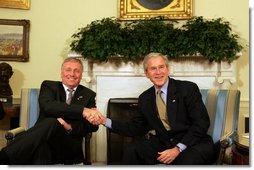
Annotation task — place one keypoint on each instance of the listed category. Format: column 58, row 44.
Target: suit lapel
column 172, row 100
column 76, row 98
column 62, row 93
column 152, row 109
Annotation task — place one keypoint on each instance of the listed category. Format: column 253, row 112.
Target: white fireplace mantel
column 109, row 80
column 223, row 73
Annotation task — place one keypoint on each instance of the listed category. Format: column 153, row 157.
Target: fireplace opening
column 120, row 109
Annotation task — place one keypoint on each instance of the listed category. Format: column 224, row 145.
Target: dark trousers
column 45, row 143
column 145, row 152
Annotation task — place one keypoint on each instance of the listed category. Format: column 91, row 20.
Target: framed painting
column 14, row 40
column 142, row 9
column 18, row 4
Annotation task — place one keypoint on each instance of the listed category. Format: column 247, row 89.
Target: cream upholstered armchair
column 223, row 109
column 29, row 112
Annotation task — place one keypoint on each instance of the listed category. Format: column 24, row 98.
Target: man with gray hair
column 58, row 133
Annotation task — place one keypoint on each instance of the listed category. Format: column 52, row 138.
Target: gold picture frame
column 14, row 40
column 18, row 4
column 142, row 9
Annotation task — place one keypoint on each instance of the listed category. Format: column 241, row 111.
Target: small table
column 13, row 112
column 240, row 149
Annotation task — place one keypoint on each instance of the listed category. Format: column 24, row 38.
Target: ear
column 146, row 74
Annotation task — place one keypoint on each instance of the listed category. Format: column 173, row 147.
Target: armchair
column 223, row 109
column 29, row 112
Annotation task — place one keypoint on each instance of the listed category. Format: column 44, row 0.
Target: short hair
column 71, row 59
column 154, row 55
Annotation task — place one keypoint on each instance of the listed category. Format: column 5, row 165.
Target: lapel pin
column 80, row 97
column 173, row 101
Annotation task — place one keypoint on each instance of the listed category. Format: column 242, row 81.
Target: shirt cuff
column 108, row 123
column 181, row 146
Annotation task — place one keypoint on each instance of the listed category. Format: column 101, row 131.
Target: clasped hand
column 94, row 116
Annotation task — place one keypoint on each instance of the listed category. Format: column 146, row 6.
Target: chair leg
column 87, row 160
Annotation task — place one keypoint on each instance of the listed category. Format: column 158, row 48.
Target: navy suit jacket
column 187, row 114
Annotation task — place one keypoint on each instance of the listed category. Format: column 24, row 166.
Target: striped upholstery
column 29, row 107
column 223, row 109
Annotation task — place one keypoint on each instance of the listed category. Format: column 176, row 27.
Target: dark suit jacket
column 52, row 104
column 187, row 116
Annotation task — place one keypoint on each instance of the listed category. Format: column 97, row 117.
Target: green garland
column 132, row 40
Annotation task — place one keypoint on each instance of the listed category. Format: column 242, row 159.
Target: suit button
column 171, row 139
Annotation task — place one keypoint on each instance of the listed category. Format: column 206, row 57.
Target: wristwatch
column 180, row 149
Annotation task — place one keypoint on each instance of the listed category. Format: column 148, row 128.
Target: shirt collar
column 164, row 88
column 65, row 88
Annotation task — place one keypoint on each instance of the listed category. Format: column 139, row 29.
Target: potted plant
column 132, row 40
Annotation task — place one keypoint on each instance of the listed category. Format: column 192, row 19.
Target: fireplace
column 127, row 80
column 120, row 109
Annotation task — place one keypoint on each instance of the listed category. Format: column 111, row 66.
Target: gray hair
column 154, row 55
column 71, row 59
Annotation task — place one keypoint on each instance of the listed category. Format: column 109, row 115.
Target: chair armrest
column 87, row 160
column 10, row 135
column 229, row 136
column 224, row 144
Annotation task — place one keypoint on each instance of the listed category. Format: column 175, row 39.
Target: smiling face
column 71, row 73
column 157, row 70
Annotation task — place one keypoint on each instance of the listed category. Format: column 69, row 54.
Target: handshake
column 94, row 116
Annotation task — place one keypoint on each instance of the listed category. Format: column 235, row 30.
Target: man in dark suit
column 180, row 134
column 62, row 123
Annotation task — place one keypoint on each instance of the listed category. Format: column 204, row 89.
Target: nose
column 72, row 72
column 158, row 70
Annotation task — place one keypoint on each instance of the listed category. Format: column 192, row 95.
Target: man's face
column 71, row 74
column 157, row 71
